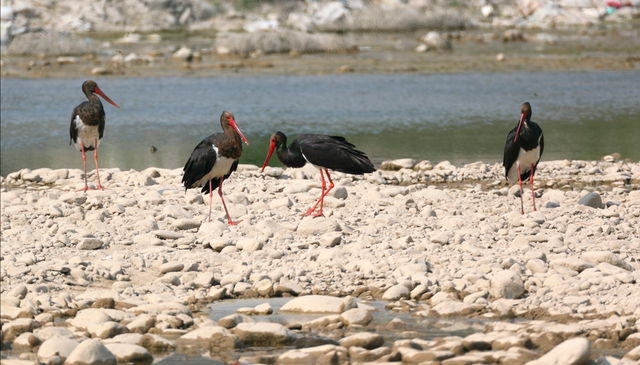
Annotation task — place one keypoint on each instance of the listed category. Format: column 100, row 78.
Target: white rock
column 57, row 346
column 574, row 351
column 396, row 292
column 208, row 333
column 311, row 225
column 91, row 352
column 264, row 333
column 453, row 308
column 506, row 284
column 318, row 304
column 357, row 316
column 126, row 352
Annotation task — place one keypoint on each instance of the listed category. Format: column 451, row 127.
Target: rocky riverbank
column 126, row 274
column 204, row 39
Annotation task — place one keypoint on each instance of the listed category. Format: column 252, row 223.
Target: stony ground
column 125, row 273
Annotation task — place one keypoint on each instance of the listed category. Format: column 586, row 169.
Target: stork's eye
column 273, row 140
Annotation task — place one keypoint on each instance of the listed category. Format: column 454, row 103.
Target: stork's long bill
column 519, row 126
column 235, row 127
column 99, row 92
column 272, row 148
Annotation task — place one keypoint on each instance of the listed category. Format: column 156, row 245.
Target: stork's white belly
column 525, row 160
column 87, row 134
column 220, row 168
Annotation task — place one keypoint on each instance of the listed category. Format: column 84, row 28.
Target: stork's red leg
column 313, row 208
column 223, row 204
column 325, row 194
column 533, row 195
column 95, row 156
column 521, row 199
column 84, row 162
column 210, row 199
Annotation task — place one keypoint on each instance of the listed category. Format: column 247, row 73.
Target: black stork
column 87, row 125
column 214, row 159
column 522, row 152
column 324, row 152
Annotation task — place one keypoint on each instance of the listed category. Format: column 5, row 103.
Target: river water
column 456, row 117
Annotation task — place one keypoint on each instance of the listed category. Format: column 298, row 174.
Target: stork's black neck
column 93, row 98
column 290, row 156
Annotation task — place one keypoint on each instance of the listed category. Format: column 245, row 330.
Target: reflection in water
column 460, row 118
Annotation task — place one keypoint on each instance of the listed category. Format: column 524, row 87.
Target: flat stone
column 142, row 324
column 597, row 257
column 574, row 351
column 571, row 263
column 453, row 309
column 105, row 330
column 131, row 338
column 396, row 292
column 318, row 304
column 395, row 165
column 311, row 225
column 171, row 267
column 73, row 198
column 264, row 334
column 168, row 235
column 208, row 333
column 263, row 309
column 358, row 316
column 90, row 243
column 186, row 223
column 233, row 320
column 331, row 239
column 18, row 326
column 125, row 352
column 290, row 287
column 46, row 333
column 155, row 343
column 365, row 340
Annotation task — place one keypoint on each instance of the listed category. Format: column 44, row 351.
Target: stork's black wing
column 334, row 153
column 201, row 161
column 511, row 150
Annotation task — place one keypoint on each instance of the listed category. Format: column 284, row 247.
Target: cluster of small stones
column 119, row 275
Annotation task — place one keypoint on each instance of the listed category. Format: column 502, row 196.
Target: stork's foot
column 319, row 214
column 308, row 212
column 84, row 189
column 232, row 223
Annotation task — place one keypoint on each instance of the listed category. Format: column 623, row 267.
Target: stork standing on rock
column 87, row 125
column 522, row 152
column 214, row 159
column 324, row 152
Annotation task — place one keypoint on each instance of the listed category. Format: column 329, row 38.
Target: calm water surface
column 456, row 117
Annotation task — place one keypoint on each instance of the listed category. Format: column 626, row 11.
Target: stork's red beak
column 99, row 92
column 272, row 148
column 519, row 126
column 235, row 127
